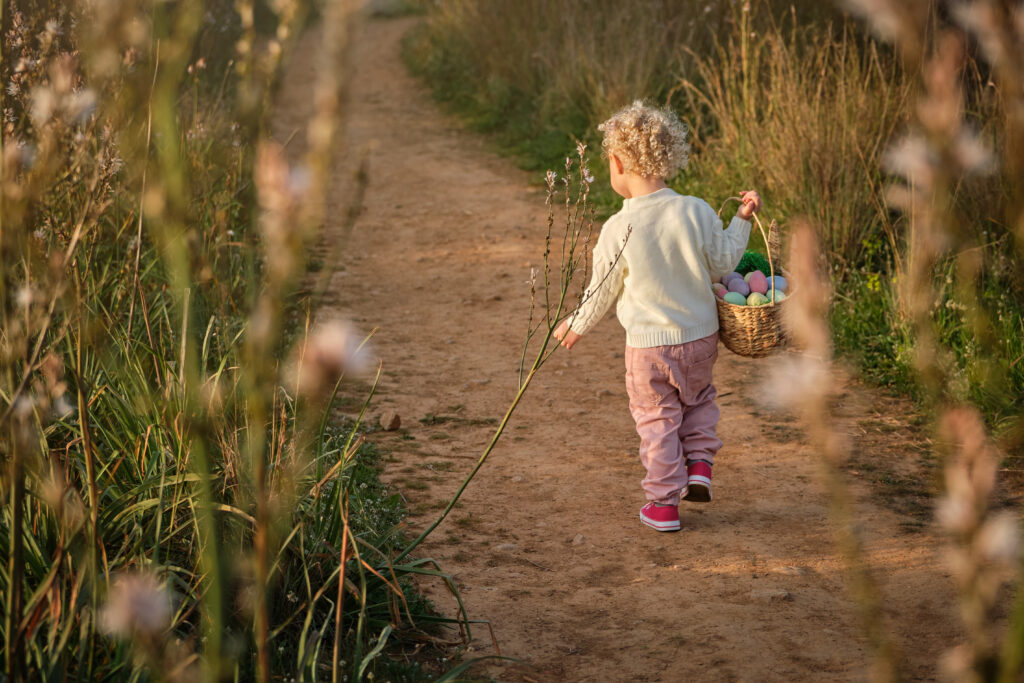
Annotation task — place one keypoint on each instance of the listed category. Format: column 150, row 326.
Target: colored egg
column 725, row 279
column 719, row 290
column 738, row 285
column 736, row 298
column 757, row 299
column 779, row 296
column 778, row 282
column 758, row 282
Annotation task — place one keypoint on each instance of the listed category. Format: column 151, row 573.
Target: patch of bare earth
column 546, row 543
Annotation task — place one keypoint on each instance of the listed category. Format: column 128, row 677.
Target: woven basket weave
column 753, row 331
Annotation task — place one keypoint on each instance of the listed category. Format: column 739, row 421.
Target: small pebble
column 390, row 421
column 772, row 595
column 579, row 539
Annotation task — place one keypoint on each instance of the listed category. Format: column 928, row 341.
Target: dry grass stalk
column 940, row 151
column 813, row 396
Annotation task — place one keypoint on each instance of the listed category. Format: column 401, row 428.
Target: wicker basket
column 753, row 331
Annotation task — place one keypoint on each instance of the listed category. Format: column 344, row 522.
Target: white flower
column 62, row 407
column 881, row 14
column 43, row 104
column 999, row 538
column 138, row 604
column 972, row 154
column 794, row 380
column 23, row 297
column 913, row 158
column 331, row 350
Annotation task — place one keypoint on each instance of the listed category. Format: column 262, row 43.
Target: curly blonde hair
column 651, row 142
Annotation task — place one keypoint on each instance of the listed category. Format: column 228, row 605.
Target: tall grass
column 797, row 100
column 177, row 503
column 802, row 111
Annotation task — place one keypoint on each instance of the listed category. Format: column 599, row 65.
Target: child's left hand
column 751, row 204
column 563, row 334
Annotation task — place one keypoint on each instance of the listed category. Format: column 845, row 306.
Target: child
column 661, row 285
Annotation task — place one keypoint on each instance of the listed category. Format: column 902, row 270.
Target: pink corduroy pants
column 672, row 402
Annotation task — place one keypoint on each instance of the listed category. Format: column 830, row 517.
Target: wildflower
column 138, row 604
column 329, row 352
column 913, row 158
column 43, row 104
column 999, row 539
column 794, row 380
column 62, row 407
column 587, row 176
column 23, row 297
column 881, row 14
column 981, row 20
column 82, row 105
column 972, row 154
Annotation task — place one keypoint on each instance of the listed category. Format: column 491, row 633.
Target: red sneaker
column 660, row 518
column 698, row 485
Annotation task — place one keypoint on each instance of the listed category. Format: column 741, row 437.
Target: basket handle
column 764, row 236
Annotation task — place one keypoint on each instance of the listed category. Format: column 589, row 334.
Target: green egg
column 779, row 295
column 736, row 298
column 757, row 299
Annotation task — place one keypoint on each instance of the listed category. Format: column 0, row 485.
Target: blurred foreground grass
column 179, row 502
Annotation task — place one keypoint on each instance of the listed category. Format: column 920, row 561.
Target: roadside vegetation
column 888, row 144
column 179, row 500
column 796, row 99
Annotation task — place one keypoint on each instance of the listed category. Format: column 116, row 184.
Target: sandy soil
column 546, row 543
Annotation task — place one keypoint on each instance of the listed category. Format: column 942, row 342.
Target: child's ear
column 619, row 168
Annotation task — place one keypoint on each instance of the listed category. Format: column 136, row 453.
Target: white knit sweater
column 662, row 279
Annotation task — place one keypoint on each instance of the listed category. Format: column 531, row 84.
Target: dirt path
column 546, row 544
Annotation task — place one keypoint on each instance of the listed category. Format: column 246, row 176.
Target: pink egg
column 758, row 282
column 720, row 290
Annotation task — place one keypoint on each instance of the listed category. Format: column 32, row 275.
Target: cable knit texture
column 661, row 282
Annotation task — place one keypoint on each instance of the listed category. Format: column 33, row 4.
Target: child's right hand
column 565, row 335
column 751, row 204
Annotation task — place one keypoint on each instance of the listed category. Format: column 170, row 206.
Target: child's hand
column 751, row 204
column 563, row 334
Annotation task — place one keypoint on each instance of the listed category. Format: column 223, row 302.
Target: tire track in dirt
column 546, row 544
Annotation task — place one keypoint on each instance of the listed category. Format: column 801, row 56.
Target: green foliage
column 792, row 100
column 146, row 450
column 751, row 261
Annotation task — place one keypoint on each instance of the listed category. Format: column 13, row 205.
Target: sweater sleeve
column 605, row 283
column 724, row 248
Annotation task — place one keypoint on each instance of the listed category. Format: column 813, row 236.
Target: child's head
column 649, row 142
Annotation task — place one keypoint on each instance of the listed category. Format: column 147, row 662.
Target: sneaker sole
column 660, row 526
column 698, row 490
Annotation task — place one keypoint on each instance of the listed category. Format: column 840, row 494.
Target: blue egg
column 778, row 282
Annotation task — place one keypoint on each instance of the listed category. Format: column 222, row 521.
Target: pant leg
column 658, row 413
column 698, row 429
